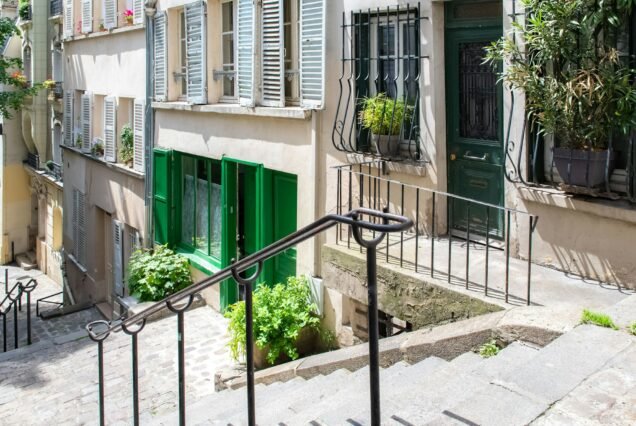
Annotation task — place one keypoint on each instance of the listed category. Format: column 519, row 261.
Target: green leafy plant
column 596, row 318
column 97, row 149
column 632, row 328
column 489, row 349
column 280, row 313
column 78, row 140
column 126, row 152
column 576, row 85
column 154, row 274
column 383, row 115
column 24, row 11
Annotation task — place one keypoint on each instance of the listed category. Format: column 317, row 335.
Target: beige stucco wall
column 110, row 193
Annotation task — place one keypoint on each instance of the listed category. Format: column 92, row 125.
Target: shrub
column 597, row 318
column 383, row 115
column 489, row 349
column 280, row 313
column 632, row 328
column 157, row 273
column 126, row 151
column 24, row 10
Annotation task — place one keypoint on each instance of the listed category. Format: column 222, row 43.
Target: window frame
column 293, row 98
column 184, row 246
column 224, row 98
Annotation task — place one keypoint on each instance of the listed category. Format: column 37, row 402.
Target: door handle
column 468, row 156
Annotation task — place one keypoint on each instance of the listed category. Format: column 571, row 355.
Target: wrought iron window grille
column 532, row 152
column 381, row 54
column 55, row 8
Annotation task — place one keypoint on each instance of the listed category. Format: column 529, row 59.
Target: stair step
column 25, row 262
column 512, row 358
column 467, row 361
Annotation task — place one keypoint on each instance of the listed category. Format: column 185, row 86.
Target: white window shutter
column 110, row 129
column 245, row 43
column 68, row 118
column 87, row 16
column 110, row 14
column 196, row 63
column 87, row 121
column 68, row 18
column 79, row 226
column 118, row 257
column 161, row 59
column 138, row 11
column 312, row 53
column 273, row 62
column 138, row 135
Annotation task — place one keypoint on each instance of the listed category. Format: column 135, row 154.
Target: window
column 227, row 36
column 79, row 227
column 291, row 31
column 201, row 206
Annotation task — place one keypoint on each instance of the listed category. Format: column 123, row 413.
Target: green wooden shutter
column 284, row 218
column 163, row 201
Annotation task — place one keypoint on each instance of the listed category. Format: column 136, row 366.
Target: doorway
column 474, row 117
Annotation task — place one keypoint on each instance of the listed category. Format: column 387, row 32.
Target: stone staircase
column 521, row 385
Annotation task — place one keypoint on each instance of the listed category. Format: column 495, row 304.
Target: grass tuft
column 597, row 318
column 489, row 349
column 632, row 328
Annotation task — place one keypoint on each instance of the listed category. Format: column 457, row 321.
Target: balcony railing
column 55, row 7
column 33, row 160
column 58, row 91
column 54, row 170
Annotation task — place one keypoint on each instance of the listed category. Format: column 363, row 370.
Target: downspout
column 149, row 118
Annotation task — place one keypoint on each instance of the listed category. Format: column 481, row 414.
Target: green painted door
column 475, row 124
column 284, row 193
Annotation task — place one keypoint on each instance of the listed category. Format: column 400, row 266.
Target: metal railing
column 58, row 90
column 54, row 169
column 13, row 301
column 379, row 223
column 475, row 223
column 33, row 160
column 55, row 7
column 45, row 300
column 393, row 68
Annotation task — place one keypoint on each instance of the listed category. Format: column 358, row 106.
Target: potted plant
column 285, row 323
column 128, row 16
column 578, row 90
column 384, row 117
column 97, row 148
column 126, row 152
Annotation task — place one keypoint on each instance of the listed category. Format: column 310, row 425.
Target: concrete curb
column 536, row 325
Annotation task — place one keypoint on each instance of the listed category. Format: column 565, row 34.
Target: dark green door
column 284, row 201
column 475, row 125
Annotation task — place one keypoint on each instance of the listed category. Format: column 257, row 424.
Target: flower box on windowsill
column 578, row 167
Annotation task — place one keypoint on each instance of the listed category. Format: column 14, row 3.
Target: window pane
column 411, row 64
column 202, row 208
column 228, row 17
column 228, row 48
column 215, row 211
column 187, row 207
column 386, row 40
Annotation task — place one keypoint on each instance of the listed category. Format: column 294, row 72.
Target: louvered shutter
column 245, row 43
column 87, row 16
column 196, row 64
column 138, row 11
column 87, row 122
column 68, row 118
column 138, row 134
column 68, row 18
column 118, row 257
column 161, row 59
column 110, row 14
column 312, row 53
column 110, row 126
column 273, row 65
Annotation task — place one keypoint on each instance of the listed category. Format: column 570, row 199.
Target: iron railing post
column 374, row 335
column 135, row 366
column 100, row 375
column 180, row 311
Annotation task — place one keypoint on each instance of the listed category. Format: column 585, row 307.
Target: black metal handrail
column 380, row 191
column 14, row 302
column 179, row 302
column 47, row 301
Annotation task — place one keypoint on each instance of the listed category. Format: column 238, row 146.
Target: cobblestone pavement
column 41, row 330
column 58, row 384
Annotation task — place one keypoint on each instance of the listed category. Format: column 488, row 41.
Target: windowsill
column 620, row 210
column 95, row 34
column 46, row 175
column 199, row 262
column 113, row 166
column 296, row 113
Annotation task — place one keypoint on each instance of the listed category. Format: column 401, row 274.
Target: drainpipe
column 149, row 118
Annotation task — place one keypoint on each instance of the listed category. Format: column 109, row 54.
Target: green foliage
column 489, row 349
column 280, row 313
column 383, row 115
column 126, row 151
column 11, row 77
column 632, row 328
column 97, row 149
column 577, row 87
column 597, row 318
column 154, row 274
column 23, row 10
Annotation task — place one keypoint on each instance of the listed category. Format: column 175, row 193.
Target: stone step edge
column 535, row 325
